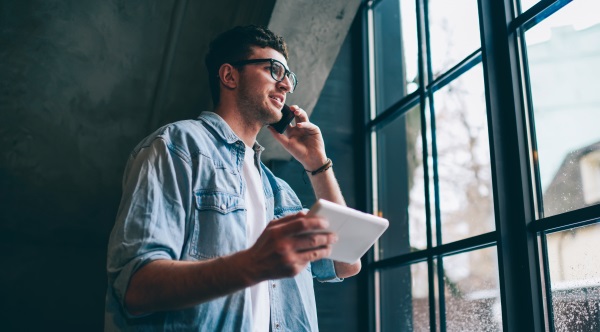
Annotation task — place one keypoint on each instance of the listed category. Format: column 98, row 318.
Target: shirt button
column 274, row 285
column 223, row 206
column 277, row 326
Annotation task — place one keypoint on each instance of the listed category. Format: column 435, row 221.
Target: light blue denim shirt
column 183, row 199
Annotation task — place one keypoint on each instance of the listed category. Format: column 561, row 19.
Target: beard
column 253, row 107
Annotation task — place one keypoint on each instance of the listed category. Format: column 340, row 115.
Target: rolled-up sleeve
column 152, row 217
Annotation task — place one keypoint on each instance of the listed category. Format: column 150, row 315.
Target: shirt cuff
column 324, row 271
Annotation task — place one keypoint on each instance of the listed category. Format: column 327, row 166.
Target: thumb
column 281, row 138
column 287, row 218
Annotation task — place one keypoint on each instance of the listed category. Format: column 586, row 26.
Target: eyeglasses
column 278, row 70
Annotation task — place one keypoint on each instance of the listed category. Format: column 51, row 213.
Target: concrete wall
column 81, row 82
column 314, row 31
column 77, row 81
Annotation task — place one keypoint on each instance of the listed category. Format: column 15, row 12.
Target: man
column 206, row 238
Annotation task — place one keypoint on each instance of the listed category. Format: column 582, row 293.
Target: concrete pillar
column 314, row 31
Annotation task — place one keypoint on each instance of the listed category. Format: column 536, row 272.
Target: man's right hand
column 287, row 245
column 283, row 250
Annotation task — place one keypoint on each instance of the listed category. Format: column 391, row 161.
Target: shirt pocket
column 219, row 224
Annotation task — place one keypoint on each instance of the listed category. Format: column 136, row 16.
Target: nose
column 285, row 84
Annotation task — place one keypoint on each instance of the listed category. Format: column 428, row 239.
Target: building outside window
column 484, row 154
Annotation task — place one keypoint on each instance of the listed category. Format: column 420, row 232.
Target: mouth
column 278, row 99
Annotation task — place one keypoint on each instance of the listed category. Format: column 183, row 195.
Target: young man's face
column 261, row 97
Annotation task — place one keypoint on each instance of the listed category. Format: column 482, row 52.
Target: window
column 485, row 158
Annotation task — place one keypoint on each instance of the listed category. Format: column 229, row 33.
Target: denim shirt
column 183, row 199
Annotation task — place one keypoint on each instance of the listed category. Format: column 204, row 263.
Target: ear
column 229, row 76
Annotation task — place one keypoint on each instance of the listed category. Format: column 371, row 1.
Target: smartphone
column 287, row 117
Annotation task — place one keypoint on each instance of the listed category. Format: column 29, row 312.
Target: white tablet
column 357, row 231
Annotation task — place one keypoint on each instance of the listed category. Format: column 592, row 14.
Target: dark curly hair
column 235, row 45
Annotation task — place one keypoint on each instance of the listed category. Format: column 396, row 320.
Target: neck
column 244, row 128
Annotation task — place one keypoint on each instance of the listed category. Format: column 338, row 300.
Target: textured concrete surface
column 78, row 83
column 314, row 31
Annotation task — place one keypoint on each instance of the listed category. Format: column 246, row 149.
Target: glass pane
column 564, row 66
column 403, row 310
column 463, row 158
column 472, row 291
column 396, row 51
column 454, row 32
column 526, row 4
column 401, row 197
column 574, row 262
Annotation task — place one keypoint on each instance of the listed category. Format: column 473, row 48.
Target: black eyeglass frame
column 287, row 72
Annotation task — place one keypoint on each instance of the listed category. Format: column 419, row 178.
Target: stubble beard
column 253, row 109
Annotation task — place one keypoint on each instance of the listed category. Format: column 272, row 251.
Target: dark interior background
column 81, row 83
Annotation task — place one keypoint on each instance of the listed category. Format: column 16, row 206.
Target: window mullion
column 522, row 306
column 424, row 82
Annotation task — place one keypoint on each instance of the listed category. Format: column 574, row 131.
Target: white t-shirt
column 256, row 221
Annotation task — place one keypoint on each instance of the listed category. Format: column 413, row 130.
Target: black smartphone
column 287, row 117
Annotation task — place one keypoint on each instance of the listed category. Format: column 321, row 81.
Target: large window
column 485, row 157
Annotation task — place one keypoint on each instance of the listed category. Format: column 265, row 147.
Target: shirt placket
column 276, row 313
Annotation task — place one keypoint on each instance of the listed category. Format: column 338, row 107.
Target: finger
column 287, row 218
column 300, row 114
column 310, row 127
column 281, row 138
column 302, row 225
column 314, row 241
column 316, row 254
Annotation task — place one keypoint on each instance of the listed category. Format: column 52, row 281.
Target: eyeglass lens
column 278, row 71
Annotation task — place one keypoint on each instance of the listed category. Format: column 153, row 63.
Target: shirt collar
column 219, row 125
column 216, row 122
